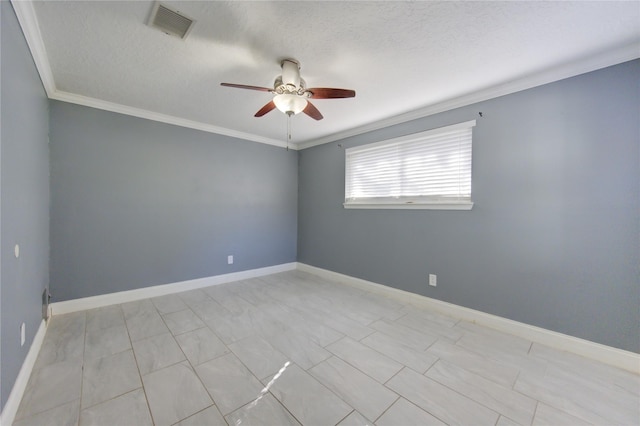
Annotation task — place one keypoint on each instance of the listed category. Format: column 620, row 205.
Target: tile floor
column 292, row 348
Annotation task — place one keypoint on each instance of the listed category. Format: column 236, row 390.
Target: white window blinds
column 432, row 167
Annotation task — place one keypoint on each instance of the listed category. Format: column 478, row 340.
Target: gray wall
column 24, row 197
column 554, row 237
column 137, row 203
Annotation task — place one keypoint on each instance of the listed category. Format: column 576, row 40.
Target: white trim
column 29, row 23
column 583, row 66
column 17, row 391
column 163, row 118
column 606, row 354
column 434, row 205
column 68, row 306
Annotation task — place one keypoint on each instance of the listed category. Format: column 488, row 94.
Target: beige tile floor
column 291, row 349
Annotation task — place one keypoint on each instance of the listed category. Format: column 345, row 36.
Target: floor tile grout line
column 494, row 335
column 559, row 407
column 332, row 328
column 198, row 412
column 490, row 357
column 259, row 381
column 436, row 334
column 111, row 398
column 289, row 411
column 191, row 366
column 189, row 331
column 29, row 387
column 284, row 407
column 418, row 407
column 435, row 323
column 267, row 393
column 467, row 397
column 391, row 378
column 382, row 384
column 320, row 383
column 360, row 370
column 348, row 414
column 535, row 412
column 345, row 360
column 135, row 358
column 513, row 386
column 381, row 353
column 246, row 366
column 269, row 390
column 84, row 349
column 188, row 308
column 388, row 408
column 413, row 330
column 494, row 361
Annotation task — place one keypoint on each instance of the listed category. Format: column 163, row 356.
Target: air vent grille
column 170, row 21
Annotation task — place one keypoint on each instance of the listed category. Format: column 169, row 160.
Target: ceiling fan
column 291, row 93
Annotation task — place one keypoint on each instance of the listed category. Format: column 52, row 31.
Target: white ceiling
column 403, row 59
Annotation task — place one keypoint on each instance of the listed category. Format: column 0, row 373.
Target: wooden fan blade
column 328, row 93
column 265, row 109
column 312, row 111
column 244, row 86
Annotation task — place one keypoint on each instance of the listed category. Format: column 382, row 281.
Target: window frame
column 419, row 202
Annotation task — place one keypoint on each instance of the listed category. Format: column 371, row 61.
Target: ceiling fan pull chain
column 289, row 114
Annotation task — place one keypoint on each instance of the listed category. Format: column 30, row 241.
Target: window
column 428, row 170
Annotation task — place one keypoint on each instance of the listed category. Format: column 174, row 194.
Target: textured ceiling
column 400, row 57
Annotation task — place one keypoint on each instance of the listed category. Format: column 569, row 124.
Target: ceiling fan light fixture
column 291, row 93
column 290, row 103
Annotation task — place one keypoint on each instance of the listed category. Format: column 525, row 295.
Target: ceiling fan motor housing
column 290, row 82
column 291, row 72
column 290, row 89
column 279, row 87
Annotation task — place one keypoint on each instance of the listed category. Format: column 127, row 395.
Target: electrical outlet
column 23, row 334
column 433, row 280
column 230, row 260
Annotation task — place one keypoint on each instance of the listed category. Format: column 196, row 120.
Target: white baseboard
column 13, row 402
column 68, row 306
column 612, row 356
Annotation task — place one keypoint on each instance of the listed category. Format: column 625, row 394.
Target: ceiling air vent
column 170, row 21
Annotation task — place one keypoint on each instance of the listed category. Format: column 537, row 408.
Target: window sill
column 433, row 205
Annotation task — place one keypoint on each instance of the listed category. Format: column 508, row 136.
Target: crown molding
column 585, row 65
column 164, row 118
column 29, row 23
